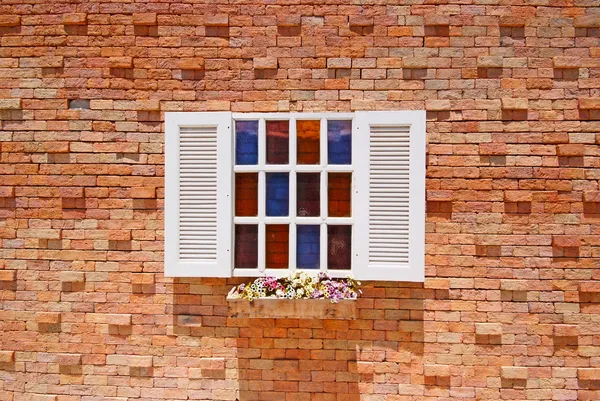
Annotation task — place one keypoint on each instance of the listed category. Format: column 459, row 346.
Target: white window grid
column 292, row 168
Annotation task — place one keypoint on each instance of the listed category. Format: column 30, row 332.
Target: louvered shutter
column 389, row 155
column 198, row 171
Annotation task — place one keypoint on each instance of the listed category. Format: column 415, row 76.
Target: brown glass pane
column 246, row 194
column 339, row 247
column 277, row 246
column 278, row 142
column 308, row 194
column 308, row 144
column 338, row 194
column 246, row 246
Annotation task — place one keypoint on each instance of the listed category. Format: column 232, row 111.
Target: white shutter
column 389, row 155
column 198, row 171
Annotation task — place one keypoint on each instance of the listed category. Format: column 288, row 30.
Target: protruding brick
column 261, row 63
column 514, row 372
column 289, row 20
column 491, row 329
column 589, row 286
column 68, row 359
column 140, row 361
column 587, row 21
column 360, row 20
column 152, row 104
column 570, row 149
column 116, row 319
column 7, row 356
column 588, row 374
column 589, row 103
column 566, row 241
column 515, row 103
column 10, row 20
column 436, row 370
column 142, row 278
column 591, row 196
column 10, row 104
column 8, row 275
column 74, row 19
column 43, row 397
column 193, row 63
column 120, row 62
column 518, row 196
column 511, row 20
column 437, row 104
column 565, row 330
column 490, row 61
column 144, row 19
column 48, row 317
column 143, row 193
column 566, row 62
column 414, row 62
column 216, row 20
column 339, row 62
column 72, row 277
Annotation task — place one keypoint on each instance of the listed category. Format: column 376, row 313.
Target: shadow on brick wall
column 301, row 359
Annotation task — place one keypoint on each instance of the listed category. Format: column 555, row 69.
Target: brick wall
column 510, row 308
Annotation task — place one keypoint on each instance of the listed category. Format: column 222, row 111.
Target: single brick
column 515, row 103
column 143, row 193
column 589, row 286
column 74, row 19
column 10, row 20
column 193, row 63
column 591, row 196
column 565, row 330
column 566, row 62
column 68, row 359
column 140, row 361
column 488, row 328
column 589, row 103
column 142, row 278
column 7, row 356
column 48, row 317
column 360, row 20
column 120, row 62
column 414, row 62
column 10, row 104
column 436, row 370
column 144, row 18
column 152, row 104
column 261, row 63
column 588, row 374
column 437, row 104
column 514, row 372
column 72, row 277
column 570, row 149
column 340, row 62
column 511, row 20
column 8, row 275
column 216, row 20
column 490, row 61
column 116, row 319
column 43, row 397
column 587, row 21
column 518, row 196
column 566, row 241
column 289, row 20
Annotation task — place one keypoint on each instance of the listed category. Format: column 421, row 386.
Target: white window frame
column 362, row 266
column 323, row 168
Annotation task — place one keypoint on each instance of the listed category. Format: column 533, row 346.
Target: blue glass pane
column 246, row 142
column 278, row 194
column 308, row 247
column 339, row 142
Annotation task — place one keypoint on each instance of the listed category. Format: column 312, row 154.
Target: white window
column 266, row 194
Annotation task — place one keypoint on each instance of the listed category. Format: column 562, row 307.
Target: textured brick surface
column 510, row 306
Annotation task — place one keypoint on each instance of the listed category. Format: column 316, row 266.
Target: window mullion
column 261, row 195
column 293, row 195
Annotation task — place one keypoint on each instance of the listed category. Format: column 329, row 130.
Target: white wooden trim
column 220, row 266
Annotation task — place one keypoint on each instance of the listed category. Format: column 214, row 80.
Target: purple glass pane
column 246, row 246
column 339, row 247
column 308, row 191
column 278, row 142
column 339, row 142
column 246, row 142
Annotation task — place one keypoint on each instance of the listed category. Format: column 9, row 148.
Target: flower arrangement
column 298, row 286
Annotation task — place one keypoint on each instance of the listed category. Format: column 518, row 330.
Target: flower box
column 292, row 308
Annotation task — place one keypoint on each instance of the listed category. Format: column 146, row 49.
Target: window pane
column 308, row 191
column 246, row 142
column 277, row 246
column 338, row 194
column 246, row 194
column 278, row 142
column 339, row 247
column 308, row 133
column 308, row 247
column 339, row 142
column 278, row 194
column 246, row 246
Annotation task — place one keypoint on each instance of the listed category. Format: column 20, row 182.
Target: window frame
column 323, row 168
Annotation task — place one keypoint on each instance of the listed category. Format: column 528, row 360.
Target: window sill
column 292, row 308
